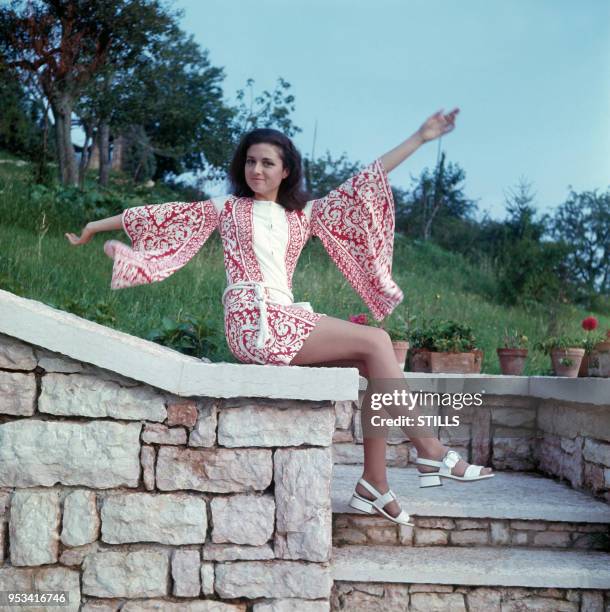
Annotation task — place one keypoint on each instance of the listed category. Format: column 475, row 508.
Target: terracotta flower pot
column 478, row 361
column 583, row 371
column 573, row 354
column 512, row 361
column 599, row 360
column 455, row 363
column 401, row 348
column 419, row 360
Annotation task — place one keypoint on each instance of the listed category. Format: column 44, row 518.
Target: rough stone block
column 243, row 519
column 16, row 355
column 215, row 470
column 17, row 393
column 292, row 605
column 204, row 433
column 141, row 573
column 271, row 426
column 430, row 537
column 539, row 604
column 88, row 395
column 435, row 523
column 81, row 522
column 186, row 567
column 207, row 578
column 99, row 454
column 273, row 579
column 500, row 533
column 597, row 452
column 147, row 458
column 552, row 538
column 303, row 503
column 186, row 605
column 155, row 433
column 471, row 537
column 236, row 552
column 34, row 526
column 514, row 417
column 484, row 599
column 143, row 517
column 344, row 414
column 182, row 412
column 438, row 602
column 50, row 361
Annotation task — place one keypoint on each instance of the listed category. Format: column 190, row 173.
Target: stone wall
column 568, row 440
column 370, row 596
column 129, row 497
column 442, row 531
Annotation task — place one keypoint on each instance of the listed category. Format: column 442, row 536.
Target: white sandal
column 448, row 462
column 370, row 506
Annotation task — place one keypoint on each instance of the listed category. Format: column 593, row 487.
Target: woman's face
column 264, row 171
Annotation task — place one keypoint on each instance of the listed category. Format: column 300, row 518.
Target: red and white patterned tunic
column 262, row 242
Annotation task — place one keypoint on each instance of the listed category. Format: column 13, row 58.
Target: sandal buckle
column 451, row 458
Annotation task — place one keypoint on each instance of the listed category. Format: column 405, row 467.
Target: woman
column 264, row 225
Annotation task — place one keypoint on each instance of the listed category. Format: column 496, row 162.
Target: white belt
column 263, row 332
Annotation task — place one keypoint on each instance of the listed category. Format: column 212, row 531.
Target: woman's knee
column 379, row 341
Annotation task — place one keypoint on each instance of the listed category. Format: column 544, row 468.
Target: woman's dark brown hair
column 291, row 194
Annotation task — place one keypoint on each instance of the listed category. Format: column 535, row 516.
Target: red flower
column 589, row 324
column 361, row 319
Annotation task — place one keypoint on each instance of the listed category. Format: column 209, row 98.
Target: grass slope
column 36, row 261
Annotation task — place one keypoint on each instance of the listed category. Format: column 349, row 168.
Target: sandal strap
column 429, row 462
column 384, row 499
column 369, row 487
column 472, row 471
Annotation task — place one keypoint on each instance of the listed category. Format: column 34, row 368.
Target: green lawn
column 39, row 263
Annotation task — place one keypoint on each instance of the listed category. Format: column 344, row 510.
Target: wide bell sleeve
column 164, row 237
column 355, row 223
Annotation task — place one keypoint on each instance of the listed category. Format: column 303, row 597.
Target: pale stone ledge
column 481, row 566
column 82, row 340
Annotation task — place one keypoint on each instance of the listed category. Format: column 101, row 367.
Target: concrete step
column 481, row 566
column 510, row 509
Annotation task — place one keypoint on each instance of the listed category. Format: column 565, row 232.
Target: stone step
column 481, row 566
column 510, row 509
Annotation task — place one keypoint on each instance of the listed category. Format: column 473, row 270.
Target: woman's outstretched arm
column 94, row 227
column 436, row 125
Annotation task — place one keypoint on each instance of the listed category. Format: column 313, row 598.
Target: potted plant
column 513, row 354
column 589, row 324
column 599, row 359
column 444, row 346
column 397, row 330
column 566, row 354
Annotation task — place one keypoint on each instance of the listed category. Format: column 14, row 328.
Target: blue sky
column 531, row 78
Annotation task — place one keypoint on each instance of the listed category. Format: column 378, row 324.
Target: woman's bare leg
column 341, row 343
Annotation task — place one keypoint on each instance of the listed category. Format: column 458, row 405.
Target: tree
column 324, row 174
column 435, row 197
column 530, row 269
column 66, row 43
column 582, row 223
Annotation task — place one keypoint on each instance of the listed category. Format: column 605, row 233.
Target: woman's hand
column 86, row 235
column 438, row 125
